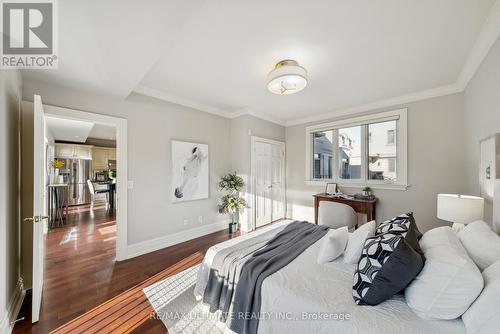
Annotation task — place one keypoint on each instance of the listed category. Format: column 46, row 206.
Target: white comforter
column 294, row 298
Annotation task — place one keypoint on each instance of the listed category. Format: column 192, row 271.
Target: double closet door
column 268, row 174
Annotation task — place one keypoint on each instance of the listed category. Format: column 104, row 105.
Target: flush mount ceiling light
column 287, row 78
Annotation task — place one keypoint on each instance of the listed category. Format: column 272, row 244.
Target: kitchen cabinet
column 112, row 154
column 100, row 158
column 72, row 151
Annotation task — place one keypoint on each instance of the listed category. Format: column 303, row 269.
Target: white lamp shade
column 460, row 209
column 287, row 78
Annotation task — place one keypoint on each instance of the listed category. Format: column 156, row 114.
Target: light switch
column 130, row 184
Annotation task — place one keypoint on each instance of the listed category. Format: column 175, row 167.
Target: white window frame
column 400, row 115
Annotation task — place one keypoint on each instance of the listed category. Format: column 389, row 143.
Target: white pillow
column 482, row 244
column 449, row 282
column 333, row 245
column 483, row 317
column 357, row 241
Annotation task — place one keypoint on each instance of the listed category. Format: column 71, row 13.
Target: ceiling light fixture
column 288, row 77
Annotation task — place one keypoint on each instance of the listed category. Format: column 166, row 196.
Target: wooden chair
column 94, row 192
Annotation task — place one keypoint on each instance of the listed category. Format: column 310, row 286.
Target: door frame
column 251, row 199
column 122, row 164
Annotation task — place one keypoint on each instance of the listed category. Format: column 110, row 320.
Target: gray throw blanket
column 225, row 270
column 276, row 254
column 237, row 272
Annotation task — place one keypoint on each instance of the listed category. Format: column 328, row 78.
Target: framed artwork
column 331, row 188
column 189, row 171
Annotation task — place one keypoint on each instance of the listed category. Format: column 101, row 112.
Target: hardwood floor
column 83, row 281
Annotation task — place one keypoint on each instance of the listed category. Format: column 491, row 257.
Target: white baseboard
column 152, row 245
column 15, row 303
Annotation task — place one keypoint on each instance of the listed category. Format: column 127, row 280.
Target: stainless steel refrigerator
column 76, row 172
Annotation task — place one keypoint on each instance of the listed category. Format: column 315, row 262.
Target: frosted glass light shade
column 287, row 78
column 460, row 209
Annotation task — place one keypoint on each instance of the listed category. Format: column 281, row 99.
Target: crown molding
column 161, row 95
column 390, row 102
column 257, row 114
column 489, row 33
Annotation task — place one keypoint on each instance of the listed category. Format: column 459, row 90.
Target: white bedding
column 326, row 290
column 306, row 286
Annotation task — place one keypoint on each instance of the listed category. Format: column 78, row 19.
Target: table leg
column 316, row 204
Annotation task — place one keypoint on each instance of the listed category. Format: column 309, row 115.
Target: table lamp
column 460, row 209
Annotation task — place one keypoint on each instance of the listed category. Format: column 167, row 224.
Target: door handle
column 35, row 219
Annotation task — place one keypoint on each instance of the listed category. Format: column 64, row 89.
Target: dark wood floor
column 82, row 279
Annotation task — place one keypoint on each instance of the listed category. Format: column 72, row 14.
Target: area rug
column 175, row 305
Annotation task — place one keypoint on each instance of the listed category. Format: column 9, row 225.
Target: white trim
column 402, row 146
column 152, row 245
column 257, row 114
column 16, row 301
column 251, row 200
column 122, row 161
column 380, row 186
column 161, row 95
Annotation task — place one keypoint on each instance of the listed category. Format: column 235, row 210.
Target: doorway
column 268, row 180
column 77, row 216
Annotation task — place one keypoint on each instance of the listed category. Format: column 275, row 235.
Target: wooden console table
column 359, row 205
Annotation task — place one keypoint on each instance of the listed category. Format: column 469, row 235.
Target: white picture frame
column 331, row 189
column 190, row 171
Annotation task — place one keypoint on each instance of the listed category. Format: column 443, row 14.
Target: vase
column 56, row 175
column 233, row 225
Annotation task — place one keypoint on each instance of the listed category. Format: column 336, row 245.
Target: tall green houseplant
column 232, row 203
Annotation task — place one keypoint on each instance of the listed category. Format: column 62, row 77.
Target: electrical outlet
column 186, row 222
column 200, row 219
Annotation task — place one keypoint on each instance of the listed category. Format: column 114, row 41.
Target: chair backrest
column 335, row 215
column 91, row 187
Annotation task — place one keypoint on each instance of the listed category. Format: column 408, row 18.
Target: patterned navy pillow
column 403, row 224
column 387, row 265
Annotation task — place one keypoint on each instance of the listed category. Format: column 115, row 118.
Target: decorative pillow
column 357, row 240
column 481, row 243
column 403, row 224
column 387, row 265
column 449, row 281
column 333, row 245
column 483, row 317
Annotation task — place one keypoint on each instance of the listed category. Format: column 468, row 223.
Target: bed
column 307, row 297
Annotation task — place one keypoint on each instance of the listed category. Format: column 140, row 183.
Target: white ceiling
column 215, row 55
column 68, row 130
column 78, row 131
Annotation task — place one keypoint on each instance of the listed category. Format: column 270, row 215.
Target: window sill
column 380, row 186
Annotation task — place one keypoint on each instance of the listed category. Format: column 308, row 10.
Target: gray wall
column 435, row 163
column 242, row 128
column 151, row 126
column 481, row 116
column 10, row 97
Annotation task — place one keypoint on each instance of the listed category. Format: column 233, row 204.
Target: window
column 366, row 150
column 323, row 150
column 391, row 136
column 349, row 153
column 382, row 152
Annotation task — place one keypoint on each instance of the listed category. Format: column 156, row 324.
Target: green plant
column 367, row 189
column 231, row 182
column 232, row 202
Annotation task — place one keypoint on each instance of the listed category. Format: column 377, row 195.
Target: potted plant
column 232, row 203
column 367, row 191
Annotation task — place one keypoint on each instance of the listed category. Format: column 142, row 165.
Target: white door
column 278, row 181
column 269, row 181
column 263, row 183
column 39, row 209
